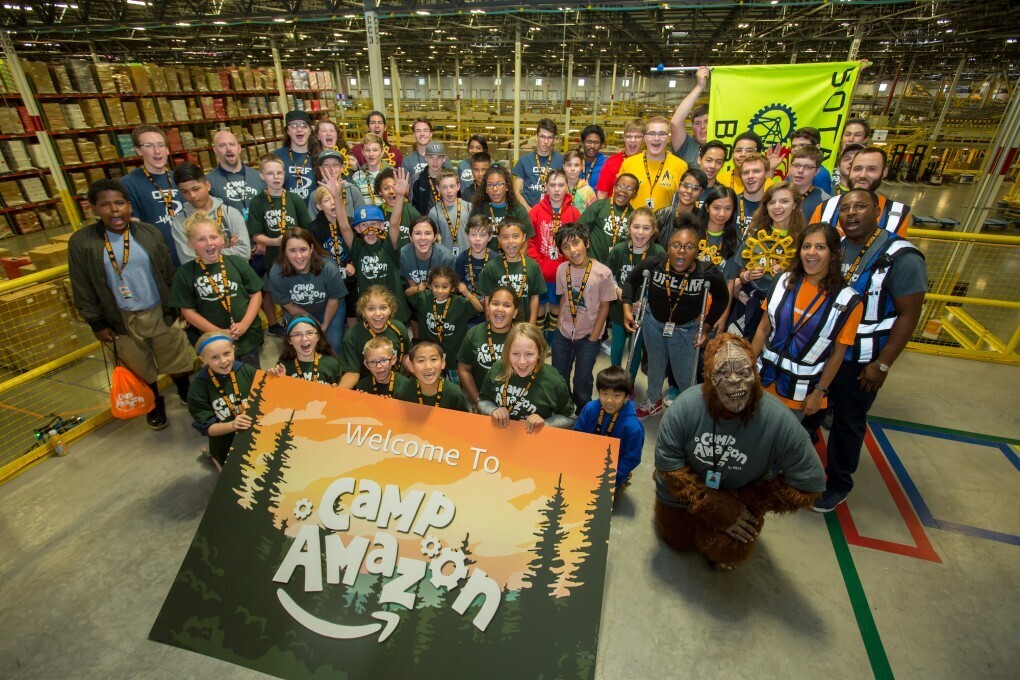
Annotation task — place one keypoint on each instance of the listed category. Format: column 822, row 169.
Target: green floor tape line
column 945, row 430
column 859, row 601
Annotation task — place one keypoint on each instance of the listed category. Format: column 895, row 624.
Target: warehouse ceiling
column 926, row 39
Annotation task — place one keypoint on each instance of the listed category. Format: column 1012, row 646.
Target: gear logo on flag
column 774, row 124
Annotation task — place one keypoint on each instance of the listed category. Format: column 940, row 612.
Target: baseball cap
column 330, row 153
column 368, row 213
column 851, row 148
column 435, row 149
column 293, row 116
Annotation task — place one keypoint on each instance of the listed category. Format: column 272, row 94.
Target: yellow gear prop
column 388, row 155
column 709, row 253
column 345, row 160
column 766, row 250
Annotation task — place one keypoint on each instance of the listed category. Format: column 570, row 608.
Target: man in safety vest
column 867, row 172
column 890, row 275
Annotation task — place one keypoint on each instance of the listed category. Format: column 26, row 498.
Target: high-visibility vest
column 879, row 311
column 893, row 218
column 794, row 362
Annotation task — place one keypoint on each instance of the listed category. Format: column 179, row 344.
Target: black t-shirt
column 678, row 297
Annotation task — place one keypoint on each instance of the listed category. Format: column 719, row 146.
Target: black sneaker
column 156, row 418
column 276, row 330
column 829, row 500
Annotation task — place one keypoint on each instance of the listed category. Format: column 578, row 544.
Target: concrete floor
column 915, row 579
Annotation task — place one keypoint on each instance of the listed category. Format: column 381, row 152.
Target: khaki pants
column 151, row 347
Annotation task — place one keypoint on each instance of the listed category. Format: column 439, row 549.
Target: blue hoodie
column 628, row 429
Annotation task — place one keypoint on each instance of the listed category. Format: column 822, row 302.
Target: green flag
column 775, row 100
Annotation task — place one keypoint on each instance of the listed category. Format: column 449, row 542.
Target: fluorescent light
column 580, row 82
column 354, row 81
column 672, row 83
column 385, row 81
column 538, row 81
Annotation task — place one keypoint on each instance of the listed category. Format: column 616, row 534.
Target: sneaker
column 605, row 348
column 276, row 330
column 829, row 500
column 671, row 394
column 648, row 409
column 156, row 418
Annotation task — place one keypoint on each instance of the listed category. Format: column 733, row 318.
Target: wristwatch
column 883, row 367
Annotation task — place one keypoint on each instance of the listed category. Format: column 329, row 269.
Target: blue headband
column 300, row 318
column 211, row 339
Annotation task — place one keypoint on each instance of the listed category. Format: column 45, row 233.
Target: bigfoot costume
column 727, row 453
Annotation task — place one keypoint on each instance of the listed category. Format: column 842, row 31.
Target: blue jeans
column 677, row 351
column 581, row 355
column 335, row 332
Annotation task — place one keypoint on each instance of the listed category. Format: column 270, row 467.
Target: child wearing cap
column 374, row 255
column 297, row 162
column 329, row 174
column 425, row 190
column 219, row 394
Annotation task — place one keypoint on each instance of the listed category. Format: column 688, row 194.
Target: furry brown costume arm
column 775, row 495
column 718, row 509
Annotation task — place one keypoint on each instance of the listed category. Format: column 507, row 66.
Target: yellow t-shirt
column 668, row 179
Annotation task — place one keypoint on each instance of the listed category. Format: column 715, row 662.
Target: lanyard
column 436, row 197
column 846, row 277
column 506, row 400
column 369, row 181
column 556, row 220
column 617, row 221
column 226, row 397
column 441, row 320
column 389, row 390
column 471, row 269
column 652, row 183
column 612, row 423
column 492, row 345
column 109, row 252
column 396, row 332
column 439, row 393
column 224, row 295
column 543, row 172
column 337, row 248
column 524, row 275
column 492, row 214
column 282, row 222
column 166, row 194
column 315, row 367
column 219, row 218
column 588, row 169
column 454, row 229
column 300, row 168
column 683, row 287
column 630, row 254
column 716, row 450
column 580, row 291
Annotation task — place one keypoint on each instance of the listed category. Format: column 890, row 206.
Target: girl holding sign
column 520, row 386
column 483, row 344
column 216, row 399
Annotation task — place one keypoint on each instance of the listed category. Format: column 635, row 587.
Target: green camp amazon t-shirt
column 368, row 384
column 204, row 292
column 524, row 277
column 621, row 262
column 328, row 371
column 208, row 405
column 454, row 314
column 352, row 354
column 476, row 353
column 545, row 395
column 452, row 397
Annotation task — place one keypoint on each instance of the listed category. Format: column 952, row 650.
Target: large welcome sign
column 360, row 537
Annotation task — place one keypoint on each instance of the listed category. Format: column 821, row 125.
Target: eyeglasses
column 804, row 166
column 150, row 146
column 626, row 188
column 495, row 185
column 744, row 149
column 546, row 138
column 377, row 363
column 636, row 137
column 658, row 133
column 686, row 247
column 690, row 187
column 306, row 335
column 297, row 125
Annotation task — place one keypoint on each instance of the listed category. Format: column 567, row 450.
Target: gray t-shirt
column 773, row 443
column 413, row 269
column 307, row 291
column 688, row 151
column 530, row 169
column 236, row 189
column 438, row 216
column 909, row 272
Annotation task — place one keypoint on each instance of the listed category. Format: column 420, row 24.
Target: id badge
column 743, row 297
column 649, row 203
column 456, row 251
column 713, row 479
column 553, row 253
column 667, row 330
column 125, row 292
column 245, row 212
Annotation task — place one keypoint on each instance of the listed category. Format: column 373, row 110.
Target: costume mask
column 733, row 376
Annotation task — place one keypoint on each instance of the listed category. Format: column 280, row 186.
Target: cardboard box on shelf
column 49, row 218
column 62, row 79
column 67, row 151
column 37, row 155
column 11, row 194
column 147, row 107
column 194, row 111
column 236, row 79
column 94, row 174
column 93, row 113
column 199, row 83
column 16, row 153
column 40, row 344
column 12, row 268
column 103, row 74
column 10, row 121
column 87, row 151
column 107, row 151
column 166, row 113
column 54, row 116
column 40, row 77
column 124, row 145
column 184, row 75
column 180, row 110
column 34, row 189
column 27, row 222
column 173, row 83
column 81, row 76
column 187, row 139
column 173, row 136
column 212, row 79
column 3, row 165
column 157, row 76
column 116, row 110
column 140, row 78
column 208, row 107
column 79, row 183
column 122, row 77
column 132, row 116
